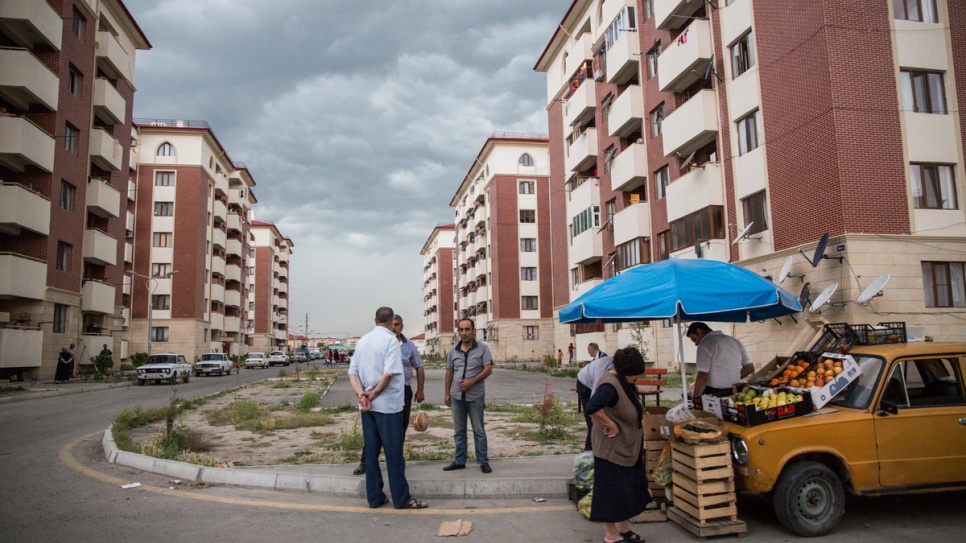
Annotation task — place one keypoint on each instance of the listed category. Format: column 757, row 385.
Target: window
column 528, row 274
column 163, row 209
column 74, row 80
column 652, row 56
column 528, row 245
column 944, row 284
column 163, row 179
column 585, row 220
column 748, row 133
column 657, row 120
column 251, row 306
column 664, row 245
column 526, row 160
column 923, row 11
column 161, row 302
column 60, row 318
column 648, row 9
column 742, row 55
column 923, row 92
column 527, row 187
column 925, row 382
column 78, row 24
column 163, row 239
column 531, row 332
column 529, row 303
column 67, row 192
column 63, row 255
column 933, row 186
column 71, row 136
column 159, row 333
column 160, row 270
column 528, row 215
column 702, row 225
column 575, row 277
column 661, row 181
column 624, row 22
column 753, row 208
column 166, row 149
column 634, row 252
column 251, row 271
column 611, row 208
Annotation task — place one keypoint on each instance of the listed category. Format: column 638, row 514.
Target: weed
column 421, row 455
column 281, row 384
column 308, row 400
column 8, row 390
column 350, row 441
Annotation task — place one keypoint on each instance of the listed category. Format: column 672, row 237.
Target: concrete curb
column 50, row 393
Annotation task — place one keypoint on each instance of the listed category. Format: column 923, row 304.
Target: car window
column 858, row 394
column 925, row 382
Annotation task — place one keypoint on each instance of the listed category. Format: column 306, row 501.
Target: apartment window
column 527, row 187
column 575, row 277
column 78, row 24
column 702, row 225
column 526, row 160
column 74, row 80
column 251, row 271
column 624, row 21
column 163, row 209
column 944, row 284
column 661, row 178
column 531, row 332
column 63, row 255
column 933, row 186
column 748, row 133
column 923, row 11
column 634, row 252
column 754, row 210
column 528, row 215
column 163, row 239
column 923, row 92
column 71, row 136
column 528, row 274
column 60, row 318
column 67, row 192
column 657, row 120
column 159, row 333
column 160, row 270
column 664, row 245
column 742, row 55
column 163, row 179
column 161, row 302
column 648, row 9
column 251, row 306
column 585, row 220
column 652, row 55
column 529, row 303
column 251, row 287
column 611, row 208
column 166, row 149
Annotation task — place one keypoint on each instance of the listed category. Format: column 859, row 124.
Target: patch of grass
column 425, row 455
column 237, row 413
column 12, row 390
column 344, row 408
column 507, row 407
column 302, row 420
column 441, row 421
column 281, row 384
column 350, row 441
column 308, row 400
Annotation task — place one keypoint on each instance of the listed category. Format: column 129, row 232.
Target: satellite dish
column 743, row 235
column 687, row 162
column 805, row 296
column 786, row 268
column 823, row 298
column 874, row 289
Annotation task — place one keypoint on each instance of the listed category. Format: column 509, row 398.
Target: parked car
column 315, row 354
column 256, row 360
column 213, row 363
column 299, row 356
column 278, row 358
column 164, row 367
column 897, row 428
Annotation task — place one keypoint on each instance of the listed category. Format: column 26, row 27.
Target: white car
column 278, row 357
column 213, row 363
column 256, row 360
column 164, row 367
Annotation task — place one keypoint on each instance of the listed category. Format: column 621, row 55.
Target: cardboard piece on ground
column 455, row 528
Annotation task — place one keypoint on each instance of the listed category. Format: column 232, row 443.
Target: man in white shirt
column 721, row 360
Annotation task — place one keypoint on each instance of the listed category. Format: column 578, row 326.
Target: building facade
column 269, row 288
column 439, row 265
column 744, row 131
column 66, row 100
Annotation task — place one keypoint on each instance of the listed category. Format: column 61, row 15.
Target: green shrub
column 308, row 400
column 138, row 359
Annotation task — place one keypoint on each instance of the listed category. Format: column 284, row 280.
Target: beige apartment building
column 439, row 293
column 268, row 288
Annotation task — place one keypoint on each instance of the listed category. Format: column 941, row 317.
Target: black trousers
column 407, row 406
column 583, row 395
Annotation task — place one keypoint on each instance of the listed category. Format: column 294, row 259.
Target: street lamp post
column 147, row 286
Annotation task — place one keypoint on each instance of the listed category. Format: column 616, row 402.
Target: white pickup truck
column 210, row 363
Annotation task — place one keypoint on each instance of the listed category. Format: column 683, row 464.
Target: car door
column 924, row 443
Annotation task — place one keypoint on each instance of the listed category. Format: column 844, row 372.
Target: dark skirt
column 620, row 492
column 63, row 371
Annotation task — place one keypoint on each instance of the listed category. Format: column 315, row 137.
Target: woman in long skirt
column 65, row 363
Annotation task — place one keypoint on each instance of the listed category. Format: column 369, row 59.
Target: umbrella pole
column 684, row 375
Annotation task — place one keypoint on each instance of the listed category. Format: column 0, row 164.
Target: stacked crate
column 652, row 454
column 704, row 490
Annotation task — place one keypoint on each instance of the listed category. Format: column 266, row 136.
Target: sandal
column 414, row 504
column 631, row 536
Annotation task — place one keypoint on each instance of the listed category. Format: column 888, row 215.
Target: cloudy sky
column 358, row 121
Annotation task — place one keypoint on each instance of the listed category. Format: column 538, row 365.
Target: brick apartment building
column 439, row 264
column 268, row 285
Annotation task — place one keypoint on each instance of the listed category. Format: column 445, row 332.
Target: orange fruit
column 773, row 382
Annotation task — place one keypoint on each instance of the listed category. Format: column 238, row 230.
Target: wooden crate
column 702, row 530
column 704, row 487
column 652, row 515
column 702, row 462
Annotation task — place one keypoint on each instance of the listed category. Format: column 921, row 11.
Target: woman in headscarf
column 65, row 363
column 620, row 481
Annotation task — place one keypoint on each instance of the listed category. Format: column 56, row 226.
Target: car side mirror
column 888, row 407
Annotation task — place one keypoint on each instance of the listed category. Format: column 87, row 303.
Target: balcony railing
column 97, row 297
column 103, row 199
column 623, row 58
column 582, row 153
column 22, row 277
column 109, row 105
column 112, row 57
column 686, row 59
column 671, row 14
column 106, row 152
column 99, row 248
column 628, row 170
column 21, row 348
column 700, row 188
column 692, row 125
column 580, row 107
column 23, row 209
column 626, row 113
column 26, row 80
column 33, row 20
column 634, row 221
column 22, row 143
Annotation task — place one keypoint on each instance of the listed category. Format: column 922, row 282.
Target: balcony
column 30, row 22
column 623, row 59
column 634, row 221
column 22, row 143
column 232, row 325
column 26, row 80
column 109, row 105
column 233, row 247
column 221, row 185
column 128, row 253
column 112, row 58
column 671, row 14
column 235, row 222
column 103, row 199
column 219, row 238
column 22, row 277
column 581, row 53
column 132, row 188
column 282, row 287
column 626, row 113
column 127, row 285
column 218, row 265
column 105, row 150
column 700, row 188
column 628, row 170
column 99, row 248
column 20, row 348
column 217, row 292
column 220, row 210
column 217, row 321
column 233, row 272
column 584, row 287
column 684, row 62
column 582, row 153
column 586, row 247
column 692, row 125
column 21, row 208
column 97, row 297
column 581, row 105
column 232, row 298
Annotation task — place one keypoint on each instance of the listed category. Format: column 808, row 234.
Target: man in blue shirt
column 468, row 364
column 376, row 375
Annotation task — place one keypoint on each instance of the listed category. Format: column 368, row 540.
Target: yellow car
column 900, row 427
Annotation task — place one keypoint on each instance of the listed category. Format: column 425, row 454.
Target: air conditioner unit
column 599, row 75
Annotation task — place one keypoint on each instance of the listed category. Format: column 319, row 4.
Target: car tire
column 186, row 376
column 197, row 374
column 809, row 499
column 140, row 382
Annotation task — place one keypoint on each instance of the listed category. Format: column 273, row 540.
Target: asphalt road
column 55, row 486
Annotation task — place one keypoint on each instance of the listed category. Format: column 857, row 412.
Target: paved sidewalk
column 46, row 389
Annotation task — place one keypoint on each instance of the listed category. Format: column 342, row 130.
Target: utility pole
column 306, row 328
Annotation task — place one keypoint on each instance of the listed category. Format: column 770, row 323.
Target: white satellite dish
column 874, row 289
column 823, row 298
column 743, row 235
column 786, row 269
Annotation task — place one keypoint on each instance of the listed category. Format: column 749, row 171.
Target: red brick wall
column 654, row 146
column 557, row 201
column 544, row 239
column 444, row 308
column 957, row 34
column 144, row 212
column 190, row 236
column 263, row 290
column 504, row 247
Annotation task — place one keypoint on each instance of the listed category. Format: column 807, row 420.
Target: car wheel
column 140, row 382
column 197, row 374
column 809, row 499
column 174, row 379
column 186, row 376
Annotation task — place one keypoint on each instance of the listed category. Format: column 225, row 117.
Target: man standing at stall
column 468, row 364
column 721, row 360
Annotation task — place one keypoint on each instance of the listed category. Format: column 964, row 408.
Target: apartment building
column 66, row 93
column 268, row 296
column 439, row 294
column 502, row 277
column 744, row 131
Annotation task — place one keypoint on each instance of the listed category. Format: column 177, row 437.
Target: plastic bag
column 584, row 470
column 664, row 470
column 584, row 504
column 679, row 413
